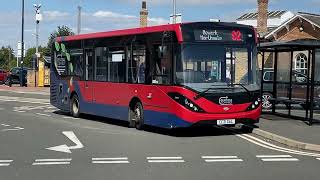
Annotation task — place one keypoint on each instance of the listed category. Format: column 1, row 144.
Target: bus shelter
column 290, row 79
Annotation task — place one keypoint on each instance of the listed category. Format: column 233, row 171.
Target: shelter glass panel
column 283, row 69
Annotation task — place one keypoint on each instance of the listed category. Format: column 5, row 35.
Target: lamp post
column 22, row 44
column 38, row 19
column 79, row 20
column 37, row 55
column 174, row 12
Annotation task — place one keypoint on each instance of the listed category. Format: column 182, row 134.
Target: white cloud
column 157, row 21
column 110, row 14
column 191, row 2
column 55, row 15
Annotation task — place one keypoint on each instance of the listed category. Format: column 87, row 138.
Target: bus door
column 89, row 71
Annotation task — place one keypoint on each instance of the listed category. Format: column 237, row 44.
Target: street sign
column 19, row 52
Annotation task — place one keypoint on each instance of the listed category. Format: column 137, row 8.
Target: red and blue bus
column 168, row 76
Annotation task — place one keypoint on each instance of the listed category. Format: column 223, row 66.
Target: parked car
column 298, row 86
column 3, row 76
column 14, row 76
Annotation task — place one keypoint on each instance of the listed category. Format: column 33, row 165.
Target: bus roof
column 150, row 29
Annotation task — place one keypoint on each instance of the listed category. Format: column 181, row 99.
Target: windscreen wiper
column 205, row 91
column 246, row 89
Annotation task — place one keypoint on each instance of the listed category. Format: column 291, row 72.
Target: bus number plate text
column 226, row 122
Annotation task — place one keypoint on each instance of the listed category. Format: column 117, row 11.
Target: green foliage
column 61, row 31
column 7, row 58
column 44, row 51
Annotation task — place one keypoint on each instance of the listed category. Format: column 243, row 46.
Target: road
column 107, row 149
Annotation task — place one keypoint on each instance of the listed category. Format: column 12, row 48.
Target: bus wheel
column 75, row 106
column 266, row 104
column 132, row 120
column 138, row 116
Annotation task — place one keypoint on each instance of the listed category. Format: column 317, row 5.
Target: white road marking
column 4, row 164
column 219, row 157
column 164, row 161
column 6, row 161
column 267, row 145
column 110, row 162
column 273, row 156
column 223, row 160
column 276, row 158
column 106, row 159
column 49, row 111
column 50, row 160
column 66, row 149
column 40, row 114
column 279, row 159
column 22, row 92
column 15, row 129
column 116, row 160
column 68, row 117
column 157, row 158
column 25, row 100
column 50, row 163
column 318, row 159
column 19, row 111
column 5, row 125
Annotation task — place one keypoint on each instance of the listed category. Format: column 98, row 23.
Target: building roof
column 271, row 14
column 313, row 19
column 301, row 44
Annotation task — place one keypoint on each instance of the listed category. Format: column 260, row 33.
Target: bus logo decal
column 225, row 101
column 236, row 36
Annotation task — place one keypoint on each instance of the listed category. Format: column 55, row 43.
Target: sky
column 105, row 15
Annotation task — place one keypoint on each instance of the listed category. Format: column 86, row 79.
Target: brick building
column 300, row 26
column 286, row 26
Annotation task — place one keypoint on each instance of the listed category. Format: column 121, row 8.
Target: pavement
column 40, row 142
column 290, row 132
column 26, row 90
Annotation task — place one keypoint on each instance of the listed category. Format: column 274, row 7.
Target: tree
column 61, row 31
column 31, row 53
column 7, row 58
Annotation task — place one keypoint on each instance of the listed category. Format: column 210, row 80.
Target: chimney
column 144, row 15
column 262, row 24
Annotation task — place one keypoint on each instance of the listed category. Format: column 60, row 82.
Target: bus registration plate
column 226, row 122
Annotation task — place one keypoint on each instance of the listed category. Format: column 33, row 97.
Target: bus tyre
column 132, row 121
column 75, row 106
column 246, row 129
column 138, row 116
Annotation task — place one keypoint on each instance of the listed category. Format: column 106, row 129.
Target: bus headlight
column 184, row 101
column 254, row 105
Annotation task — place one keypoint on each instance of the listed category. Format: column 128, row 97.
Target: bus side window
column 116, row 65
column 101, row 64
column 163, row 65
column 76, row 60
column 137, row 65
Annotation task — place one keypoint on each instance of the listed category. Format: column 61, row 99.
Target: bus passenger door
column 89, row 70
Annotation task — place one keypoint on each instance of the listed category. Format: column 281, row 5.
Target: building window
column 302, row 63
